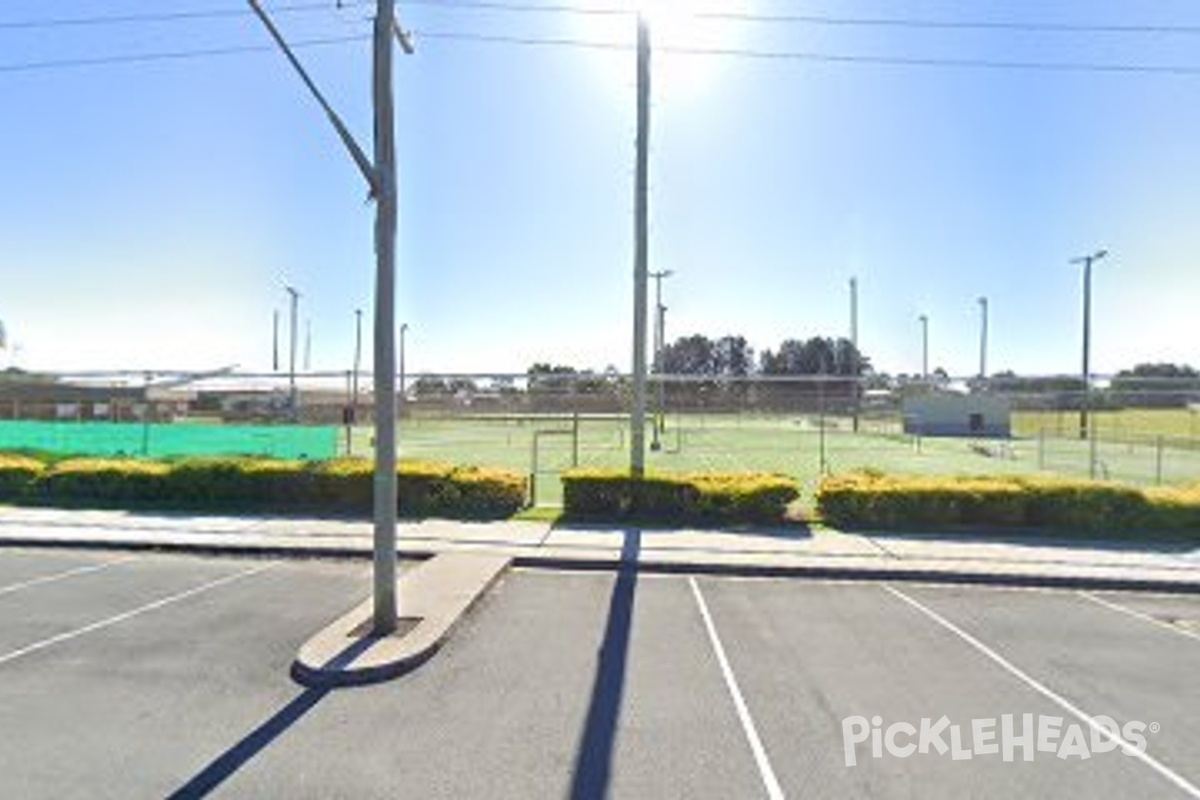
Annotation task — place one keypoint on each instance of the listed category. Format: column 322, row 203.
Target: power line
column 172, row 55
column 167, row 16
column 919, row 23
column 833, row 58
column 589, row 44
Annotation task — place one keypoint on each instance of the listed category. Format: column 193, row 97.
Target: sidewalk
column 823, row 553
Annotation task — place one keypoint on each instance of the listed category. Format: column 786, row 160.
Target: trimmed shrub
column 342, row 486
column 102, row 482
column 892, row 501
column 18, row 475
column 702, row 497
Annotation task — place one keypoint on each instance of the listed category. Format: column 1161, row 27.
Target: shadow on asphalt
column 225, row 765
column 593, row 762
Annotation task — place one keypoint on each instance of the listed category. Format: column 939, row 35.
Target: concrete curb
column 1003, row 574
column 433, row 598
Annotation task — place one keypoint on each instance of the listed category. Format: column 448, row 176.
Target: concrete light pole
column 637, row 433
column 380, row 176
column 1087, row 262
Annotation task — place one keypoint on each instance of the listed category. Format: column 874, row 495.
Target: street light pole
column 983, row 338
column 1087, row 262
column 380, row 176
column 637, row 434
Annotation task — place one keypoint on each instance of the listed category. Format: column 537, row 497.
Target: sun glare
column 676, row 27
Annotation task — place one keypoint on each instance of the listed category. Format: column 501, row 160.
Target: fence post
column 533, row 470
column 1158, row 460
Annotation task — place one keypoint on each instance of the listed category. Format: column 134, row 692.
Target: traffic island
column 432, row 598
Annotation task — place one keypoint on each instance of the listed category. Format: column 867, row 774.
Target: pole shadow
column 592, row 773
column 228, row 763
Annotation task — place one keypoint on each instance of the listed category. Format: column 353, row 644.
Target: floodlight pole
column 403, row 381
column 357, row 365
column 1087, row 337
column 637, row 434
column 381, row 177
column 659, row 344
column 924, row 320
column 854, row 367
column 275, row 340
column 295, row 303
column 983, row 338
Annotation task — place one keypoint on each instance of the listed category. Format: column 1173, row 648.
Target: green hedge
column 702, row 497
column 870, row 499
column 343, row 486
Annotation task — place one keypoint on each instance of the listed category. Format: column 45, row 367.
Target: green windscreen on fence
column 161, row 440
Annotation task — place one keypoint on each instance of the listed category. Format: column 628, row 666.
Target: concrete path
column 1007, row 558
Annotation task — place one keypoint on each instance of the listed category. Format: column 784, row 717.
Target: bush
column 342, row 486
column 102, row 482
column 17, row 475
column 702, row 497
column 882, row 501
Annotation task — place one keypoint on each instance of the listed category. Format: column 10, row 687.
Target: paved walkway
column 820, row 553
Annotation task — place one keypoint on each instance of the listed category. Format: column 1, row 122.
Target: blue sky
column 151, row 212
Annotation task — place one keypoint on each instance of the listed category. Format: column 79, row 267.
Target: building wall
column 978, row 416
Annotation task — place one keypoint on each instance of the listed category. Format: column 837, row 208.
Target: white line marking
column 1049, row 694
column 756, row 746
column 58, row 576
column 1140, row 615
column 104, row 623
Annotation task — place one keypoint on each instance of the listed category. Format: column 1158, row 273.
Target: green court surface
column 169, row 440
column 799, row 446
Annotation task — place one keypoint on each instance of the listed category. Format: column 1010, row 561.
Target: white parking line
column 760, row 754
column 104, row 623
column 1049, row 694
column 58, row 576
column 1140, row 615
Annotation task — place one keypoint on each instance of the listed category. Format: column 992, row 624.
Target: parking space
column 169, row 674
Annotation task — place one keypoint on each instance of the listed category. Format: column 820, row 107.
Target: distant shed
column 969, row 415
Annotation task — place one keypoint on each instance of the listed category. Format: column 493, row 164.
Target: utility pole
column 660, row 331
column 1087, row 262
column 293, row 406
column 983, row 338
column 924, row 320
column 854, row 367
column 380, row 176
column 637, row 434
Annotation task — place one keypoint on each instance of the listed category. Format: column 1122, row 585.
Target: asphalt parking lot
column 148, row 675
